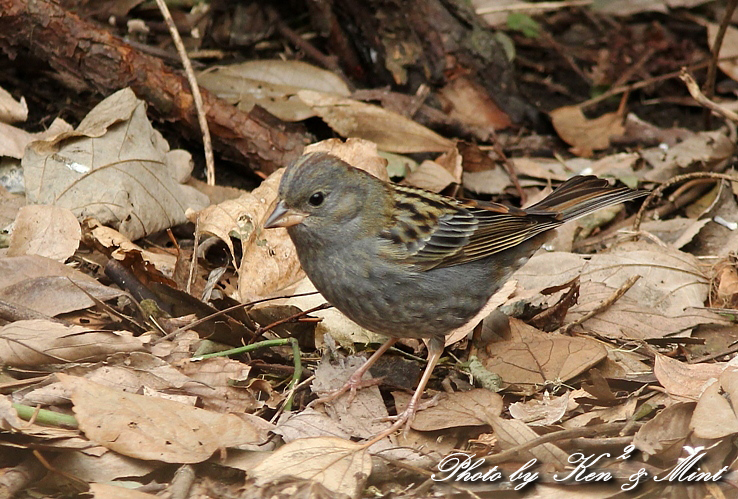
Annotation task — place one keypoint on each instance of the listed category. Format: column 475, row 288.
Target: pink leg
column 406, row 417
column 355, row 382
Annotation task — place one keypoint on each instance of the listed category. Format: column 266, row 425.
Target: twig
column 195, row 89
column 702, row 99
column 509, row 166
column 291, row 318
column 674, row 180
column 534, row 6
column 590, row 431
column 226, row 311
column 709, row 86
column 605, row 304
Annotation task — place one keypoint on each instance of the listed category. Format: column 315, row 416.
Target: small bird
column 408, row 263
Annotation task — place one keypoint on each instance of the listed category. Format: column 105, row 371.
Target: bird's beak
column 284, row 217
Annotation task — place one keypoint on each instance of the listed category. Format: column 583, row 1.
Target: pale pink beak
column 282, row 216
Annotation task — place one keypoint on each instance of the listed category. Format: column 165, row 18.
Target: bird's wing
column 429, row 230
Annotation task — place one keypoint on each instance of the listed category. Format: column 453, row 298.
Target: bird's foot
column 353, row 384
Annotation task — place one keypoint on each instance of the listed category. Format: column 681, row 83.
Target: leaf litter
column 103, row 357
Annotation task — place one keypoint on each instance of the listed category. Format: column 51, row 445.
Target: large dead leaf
column 157, row 429
column 38, row 342
column 50, row 231
column 114, row 167
column 47, row 286
column 665, row 300
column 339, row 465
column 531, row 359
column 271, row 84
column 391, row 131
column 105, row 468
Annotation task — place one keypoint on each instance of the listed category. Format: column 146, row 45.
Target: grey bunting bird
column 407, row 263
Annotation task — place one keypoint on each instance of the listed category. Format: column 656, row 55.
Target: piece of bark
column 81, row 51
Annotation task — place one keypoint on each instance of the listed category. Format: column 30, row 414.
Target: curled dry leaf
column 157, row 429
column 113, row 167
column 391, row 131
column 339, row 465
column 269, row 261
column 45, row 230
column 38, row 342
column 584, row 134
column 120, row 247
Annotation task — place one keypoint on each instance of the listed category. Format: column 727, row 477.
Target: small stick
column 702, row 99
column 588, row 431
column 674, row 180
column 195, row 89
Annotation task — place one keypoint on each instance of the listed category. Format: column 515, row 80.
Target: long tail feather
column 582, row 195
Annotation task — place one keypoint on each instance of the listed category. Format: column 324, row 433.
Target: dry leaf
column 38, row 342
column 113, row 167
column 271, row 84
column 339, row 465
column 359, row 153
column 685, row 381
column 468, row 102
column 44, row 230
column 157, row 429
column 12, row 111
column 665, row 434
column 108, row 491
column 105, row 468
column 472, row 408
column 715, row 417
column 531, row 359
column 391, row 132
column 541, row 412
column 584, row 134
column 511, row 433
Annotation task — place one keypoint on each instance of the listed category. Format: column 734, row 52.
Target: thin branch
column 195, row 88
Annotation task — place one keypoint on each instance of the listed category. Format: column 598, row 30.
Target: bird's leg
column 355, row 382
column 435, row 349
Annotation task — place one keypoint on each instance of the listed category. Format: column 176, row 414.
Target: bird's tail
column 582, row 195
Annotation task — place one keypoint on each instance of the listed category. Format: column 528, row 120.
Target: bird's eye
column 316, row 199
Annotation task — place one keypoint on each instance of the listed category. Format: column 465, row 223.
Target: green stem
column 264, row 344
column 45, row 416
